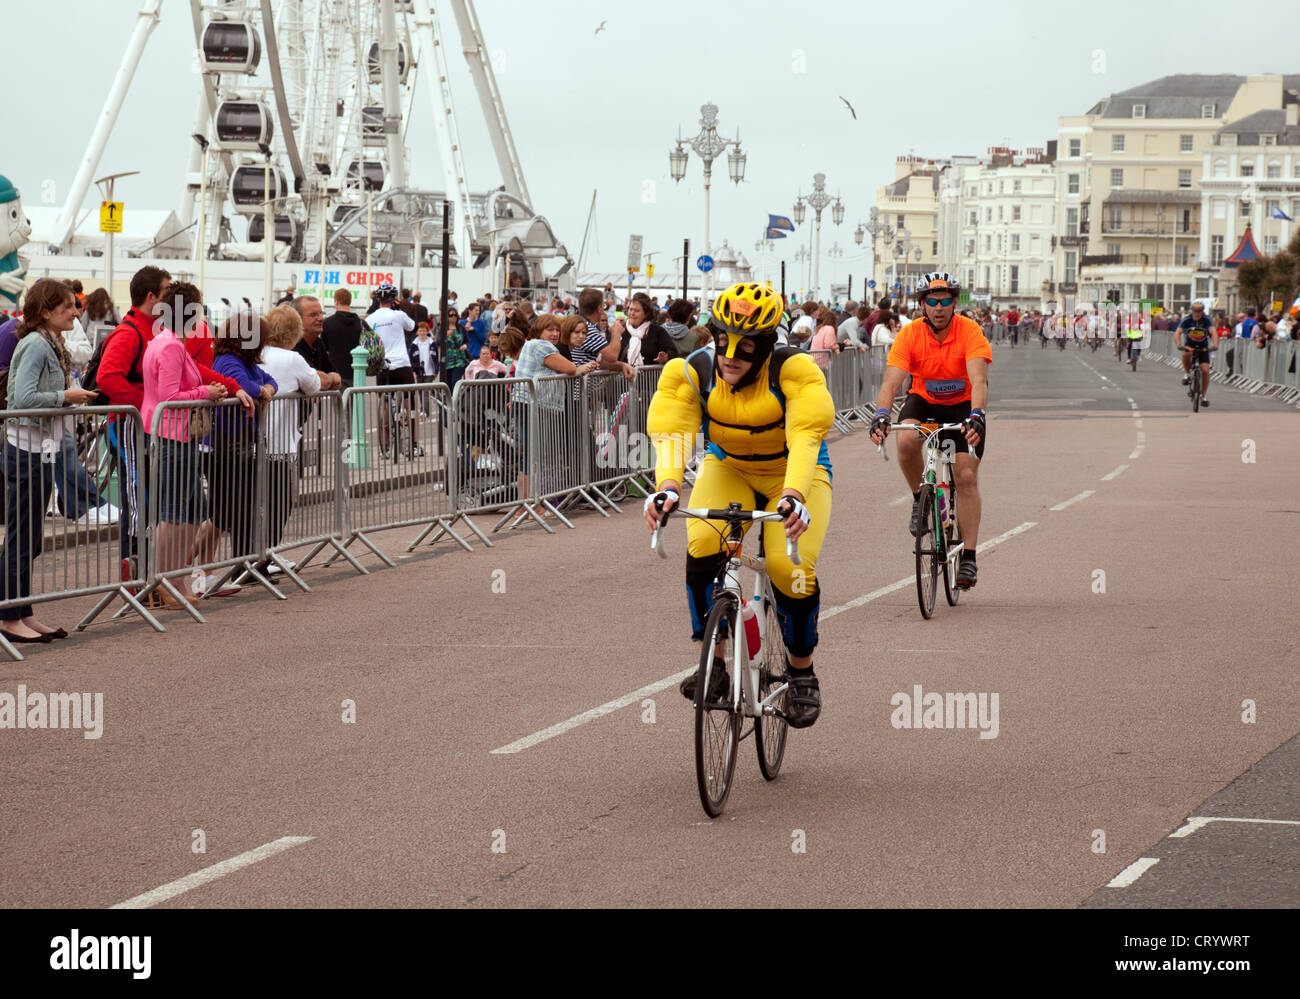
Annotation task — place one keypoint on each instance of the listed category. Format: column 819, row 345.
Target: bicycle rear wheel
column 928, row 561
column 1132, row 359
column 770, row 730
column 717, row 725
column 1196, row 387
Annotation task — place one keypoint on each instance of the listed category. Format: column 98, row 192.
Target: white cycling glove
column 794, row 507
column 661, row 499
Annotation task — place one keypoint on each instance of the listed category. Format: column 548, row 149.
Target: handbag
column 200, row 424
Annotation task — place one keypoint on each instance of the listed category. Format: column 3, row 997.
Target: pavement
column 501, row 727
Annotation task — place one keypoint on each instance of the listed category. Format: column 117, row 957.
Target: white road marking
column 1074, row 499
column 1132, row 872
column 1115, row 473
column 609, row 707
column 1142, row 436
column 208, row 874
column 1137, row 453
column 900, row 501
column 1138, row 422
column 1201, row 821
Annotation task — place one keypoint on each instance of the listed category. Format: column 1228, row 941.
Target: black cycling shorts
column 1200, row 355
column 925, row 411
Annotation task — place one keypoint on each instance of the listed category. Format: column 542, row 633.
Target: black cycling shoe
column 1186, row 380
column 967, row 574
column 1204, row 402
column 719, row 683
column 914, row 524
column 804, row 700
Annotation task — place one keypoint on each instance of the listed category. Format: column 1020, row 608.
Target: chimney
column 1293, row 114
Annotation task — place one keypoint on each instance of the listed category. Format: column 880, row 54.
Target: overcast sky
column 602, row 112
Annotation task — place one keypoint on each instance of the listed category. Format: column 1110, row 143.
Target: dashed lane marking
column 1132, row 872
column 1074, row 499
column 1114, row 473
column 1137, row 453
column 900, row 501
column 210, row 874
column 1201, row 821
column 528, row 741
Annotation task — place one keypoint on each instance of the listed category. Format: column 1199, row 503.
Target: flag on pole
column 774, row 233
column 779, row 222
column 1279, row 214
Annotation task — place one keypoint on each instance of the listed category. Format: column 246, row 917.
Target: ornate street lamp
column 708, row 145
column 819, row 199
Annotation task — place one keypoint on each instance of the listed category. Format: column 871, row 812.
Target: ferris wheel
column 307, row 104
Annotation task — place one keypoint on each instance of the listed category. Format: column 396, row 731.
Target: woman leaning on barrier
column 536, row 357
column 39, row 378
column 185, row 532
column 234, row 506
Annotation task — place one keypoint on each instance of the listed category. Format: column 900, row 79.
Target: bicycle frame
column 744, row 696
column 939, row 472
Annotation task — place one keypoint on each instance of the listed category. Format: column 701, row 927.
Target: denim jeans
column 28, row 482
column 77, row 493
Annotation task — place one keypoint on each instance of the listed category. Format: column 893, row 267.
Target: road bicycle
column 397, row 437
column 1194, row 385
column 938, row 538
column 1133, row 351
column 758, row 685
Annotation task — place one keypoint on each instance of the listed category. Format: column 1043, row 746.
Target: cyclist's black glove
column 881, row 422
column 976, row 422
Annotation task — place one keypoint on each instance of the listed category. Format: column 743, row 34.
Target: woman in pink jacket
column 823, row 341
column 184, row 527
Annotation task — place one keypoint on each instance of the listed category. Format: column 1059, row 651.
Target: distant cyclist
column 1196, row 338
column 764, row 412
column 391, row 326
column 948, row 359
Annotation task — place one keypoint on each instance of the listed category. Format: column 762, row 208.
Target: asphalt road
column 1136, row 607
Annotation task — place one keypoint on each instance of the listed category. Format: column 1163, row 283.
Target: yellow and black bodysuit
column 761, row 438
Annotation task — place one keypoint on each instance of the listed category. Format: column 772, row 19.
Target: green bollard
column 359, row 452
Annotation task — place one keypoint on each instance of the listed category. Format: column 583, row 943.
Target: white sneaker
column 106, row 514
column 210, row 587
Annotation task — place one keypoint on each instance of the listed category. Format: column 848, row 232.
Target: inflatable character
column 15, row 230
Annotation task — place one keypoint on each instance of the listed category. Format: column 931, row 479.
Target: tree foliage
column 1268, row 278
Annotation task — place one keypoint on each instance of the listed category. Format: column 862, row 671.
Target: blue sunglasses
column 941, row 303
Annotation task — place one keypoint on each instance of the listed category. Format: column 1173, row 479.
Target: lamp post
column 708, row 145
column 201, row 239
column 819, row 199
column 764, row 246
column 801, row 258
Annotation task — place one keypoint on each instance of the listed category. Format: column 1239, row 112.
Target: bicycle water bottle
column 943, row 509
column 749, row 617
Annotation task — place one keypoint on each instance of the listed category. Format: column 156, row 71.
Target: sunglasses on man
column 939, row 303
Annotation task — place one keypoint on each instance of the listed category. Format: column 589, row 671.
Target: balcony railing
column 1068, row 240
column 1146, row 229
column 1069, row 287
column 1101, row 259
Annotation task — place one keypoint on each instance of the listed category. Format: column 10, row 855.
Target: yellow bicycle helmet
column 747, row 309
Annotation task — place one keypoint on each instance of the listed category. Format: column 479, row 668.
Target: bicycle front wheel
column 1196, row 387
column 928, row 559
column 717, row 725
column 951, row 592
column 770, row 730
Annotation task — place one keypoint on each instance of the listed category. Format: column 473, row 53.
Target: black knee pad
column 798, row 616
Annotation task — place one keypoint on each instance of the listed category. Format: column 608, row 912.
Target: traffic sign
column 110, row 216
column 649, row 270
column 634, row 253
column 871, row 284
column 705, row 263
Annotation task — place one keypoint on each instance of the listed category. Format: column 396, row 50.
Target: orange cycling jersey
column 938, row 370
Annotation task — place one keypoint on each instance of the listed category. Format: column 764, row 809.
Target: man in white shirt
column 391, row 326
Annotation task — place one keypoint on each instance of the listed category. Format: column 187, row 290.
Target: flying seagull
column 850, row 107
column 600, row 29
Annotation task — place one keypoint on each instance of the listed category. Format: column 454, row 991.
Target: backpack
column 702, row 364
column 91, row 374
column 374, row 350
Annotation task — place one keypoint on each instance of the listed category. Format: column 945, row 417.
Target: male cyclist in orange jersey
column 948, row 358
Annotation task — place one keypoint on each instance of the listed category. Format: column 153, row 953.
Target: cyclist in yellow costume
column 764, row 412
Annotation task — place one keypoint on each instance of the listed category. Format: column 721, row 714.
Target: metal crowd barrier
column 609, row 404
column 1272, row 370
column 488, row 445
column 76, row 552
column 396, row 446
